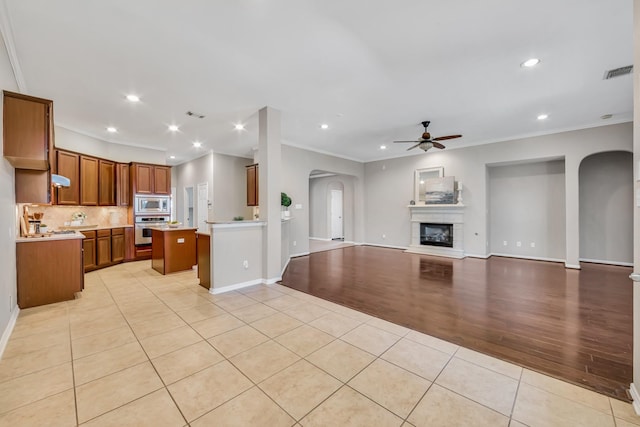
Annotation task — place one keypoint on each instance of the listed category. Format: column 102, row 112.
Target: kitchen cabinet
column 252, row 185
column 203, row 254
column 122, row 184
column 105, row 247
column 27, row 131
column 173, row 249
column 68, row 165
column 117, row 245
column 89, row 249
column 106, row 183
column 150, row 179
column 89, row 167
column 48, row 271
column 33, row 186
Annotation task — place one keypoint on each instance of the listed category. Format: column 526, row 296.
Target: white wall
column 389, row 183
column 74, row 141
column 320, row 205
column 190, row 174
column 526, row 205
column 8, row 289
column 230, row 187
column 606, row 207
column 297, row 164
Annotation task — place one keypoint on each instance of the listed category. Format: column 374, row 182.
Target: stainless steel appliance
column 151, row 205
column 143, row 225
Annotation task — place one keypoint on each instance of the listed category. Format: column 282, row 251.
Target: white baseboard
column 299, row 255
column 534, row 258
column 477, row 256
column 223, row 289
column 600, row 261
column 271, row 281
column 320, row 238
column 572, row 266
column 636, row 398
column 8, row 330
column 404, row 248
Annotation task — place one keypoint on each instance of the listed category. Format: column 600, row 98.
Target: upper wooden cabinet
column 252, row 185
column 106, row 183
column 89, row 167
column 150, row 179
column 122, row 184
column 68, row 165
column 28, row 131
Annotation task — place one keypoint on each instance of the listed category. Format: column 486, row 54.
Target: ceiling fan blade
column 417, row 145
column 438, row 145
column 442, row 138
column 407, row 141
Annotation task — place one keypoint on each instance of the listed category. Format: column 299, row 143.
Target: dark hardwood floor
column 575, row 325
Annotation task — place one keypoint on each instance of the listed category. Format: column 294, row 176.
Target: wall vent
column 196, row 115
column 618, row 72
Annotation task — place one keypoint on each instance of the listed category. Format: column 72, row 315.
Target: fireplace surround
column 441, row 218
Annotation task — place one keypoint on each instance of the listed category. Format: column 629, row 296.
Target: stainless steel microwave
column 157, row 205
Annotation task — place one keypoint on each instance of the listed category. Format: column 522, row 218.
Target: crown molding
column 6, row 30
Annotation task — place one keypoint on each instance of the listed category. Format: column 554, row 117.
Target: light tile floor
column 141, row 349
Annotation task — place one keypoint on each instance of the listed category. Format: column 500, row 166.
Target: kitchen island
column 173, row 249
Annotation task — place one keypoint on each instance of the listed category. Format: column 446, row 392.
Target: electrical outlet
column 295, row 243
column 533, row 244
column 384, row 236
column 518, row 244
column 298, row 206
column 245, row 264
column 504, row 243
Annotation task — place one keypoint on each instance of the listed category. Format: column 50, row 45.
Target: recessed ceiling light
column 173, row 128
column 383, row 147
column 239, row 126
column 542, row 116
column 133, row 98
column 197, row 144
column 111, row 129
column 324, row 126
column 172, row 157
column 530, row 63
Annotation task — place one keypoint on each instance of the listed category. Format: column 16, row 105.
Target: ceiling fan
column 426, row 142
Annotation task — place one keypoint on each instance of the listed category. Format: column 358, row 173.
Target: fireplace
column 436, row 234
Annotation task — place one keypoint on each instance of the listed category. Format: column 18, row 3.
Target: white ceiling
column 371, row 69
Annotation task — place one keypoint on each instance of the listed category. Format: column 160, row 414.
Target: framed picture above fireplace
column 420, row 183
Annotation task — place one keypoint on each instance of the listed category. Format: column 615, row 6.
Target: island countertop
column 167, row 228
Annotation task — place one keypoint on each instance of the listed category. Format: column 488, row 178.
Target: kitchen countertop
column 50, row 237
column 167, row 228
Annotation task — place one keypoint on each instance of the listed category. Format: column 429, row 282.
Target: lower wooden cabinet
column 48, row 271
column 103, row 248
column 203, row 254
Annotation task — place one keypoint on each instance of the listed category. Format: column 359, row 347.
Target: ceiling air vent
column 196, row 115
column 618, row 72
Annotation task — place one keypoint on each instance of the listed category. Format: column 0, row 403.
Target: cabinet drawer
column 104, row 233
column 89, row 234
column 117, row 231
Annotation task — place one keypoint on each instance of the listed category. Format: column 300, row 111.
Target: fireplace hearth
column 436, row 234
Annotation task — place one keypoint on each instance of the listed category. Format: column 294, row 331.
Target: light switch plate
column 298, row 206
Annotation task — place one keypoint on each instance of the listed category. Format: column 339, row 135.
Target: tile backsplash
column 102, row 216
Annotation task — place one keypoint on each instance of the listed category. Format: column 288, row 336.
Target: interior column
column 270, row 162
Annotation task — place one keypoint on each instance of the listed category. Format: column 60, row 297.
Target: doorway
column 188, row 206
column 337, row 225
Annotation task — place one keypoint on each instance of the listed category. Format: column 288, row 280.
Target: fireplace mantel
column 438, row 214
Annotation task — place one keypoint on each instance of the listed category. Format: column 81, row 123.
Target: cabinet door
column 88, row 181
column 68, row 165
column 107, row 180
column 122, row 184
column 103, row 248
column 162, row 180
column 117, row 244
column 89, row 251
column 252, row 185
column 143, row 179
column 32, row 186
column 27, row 131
